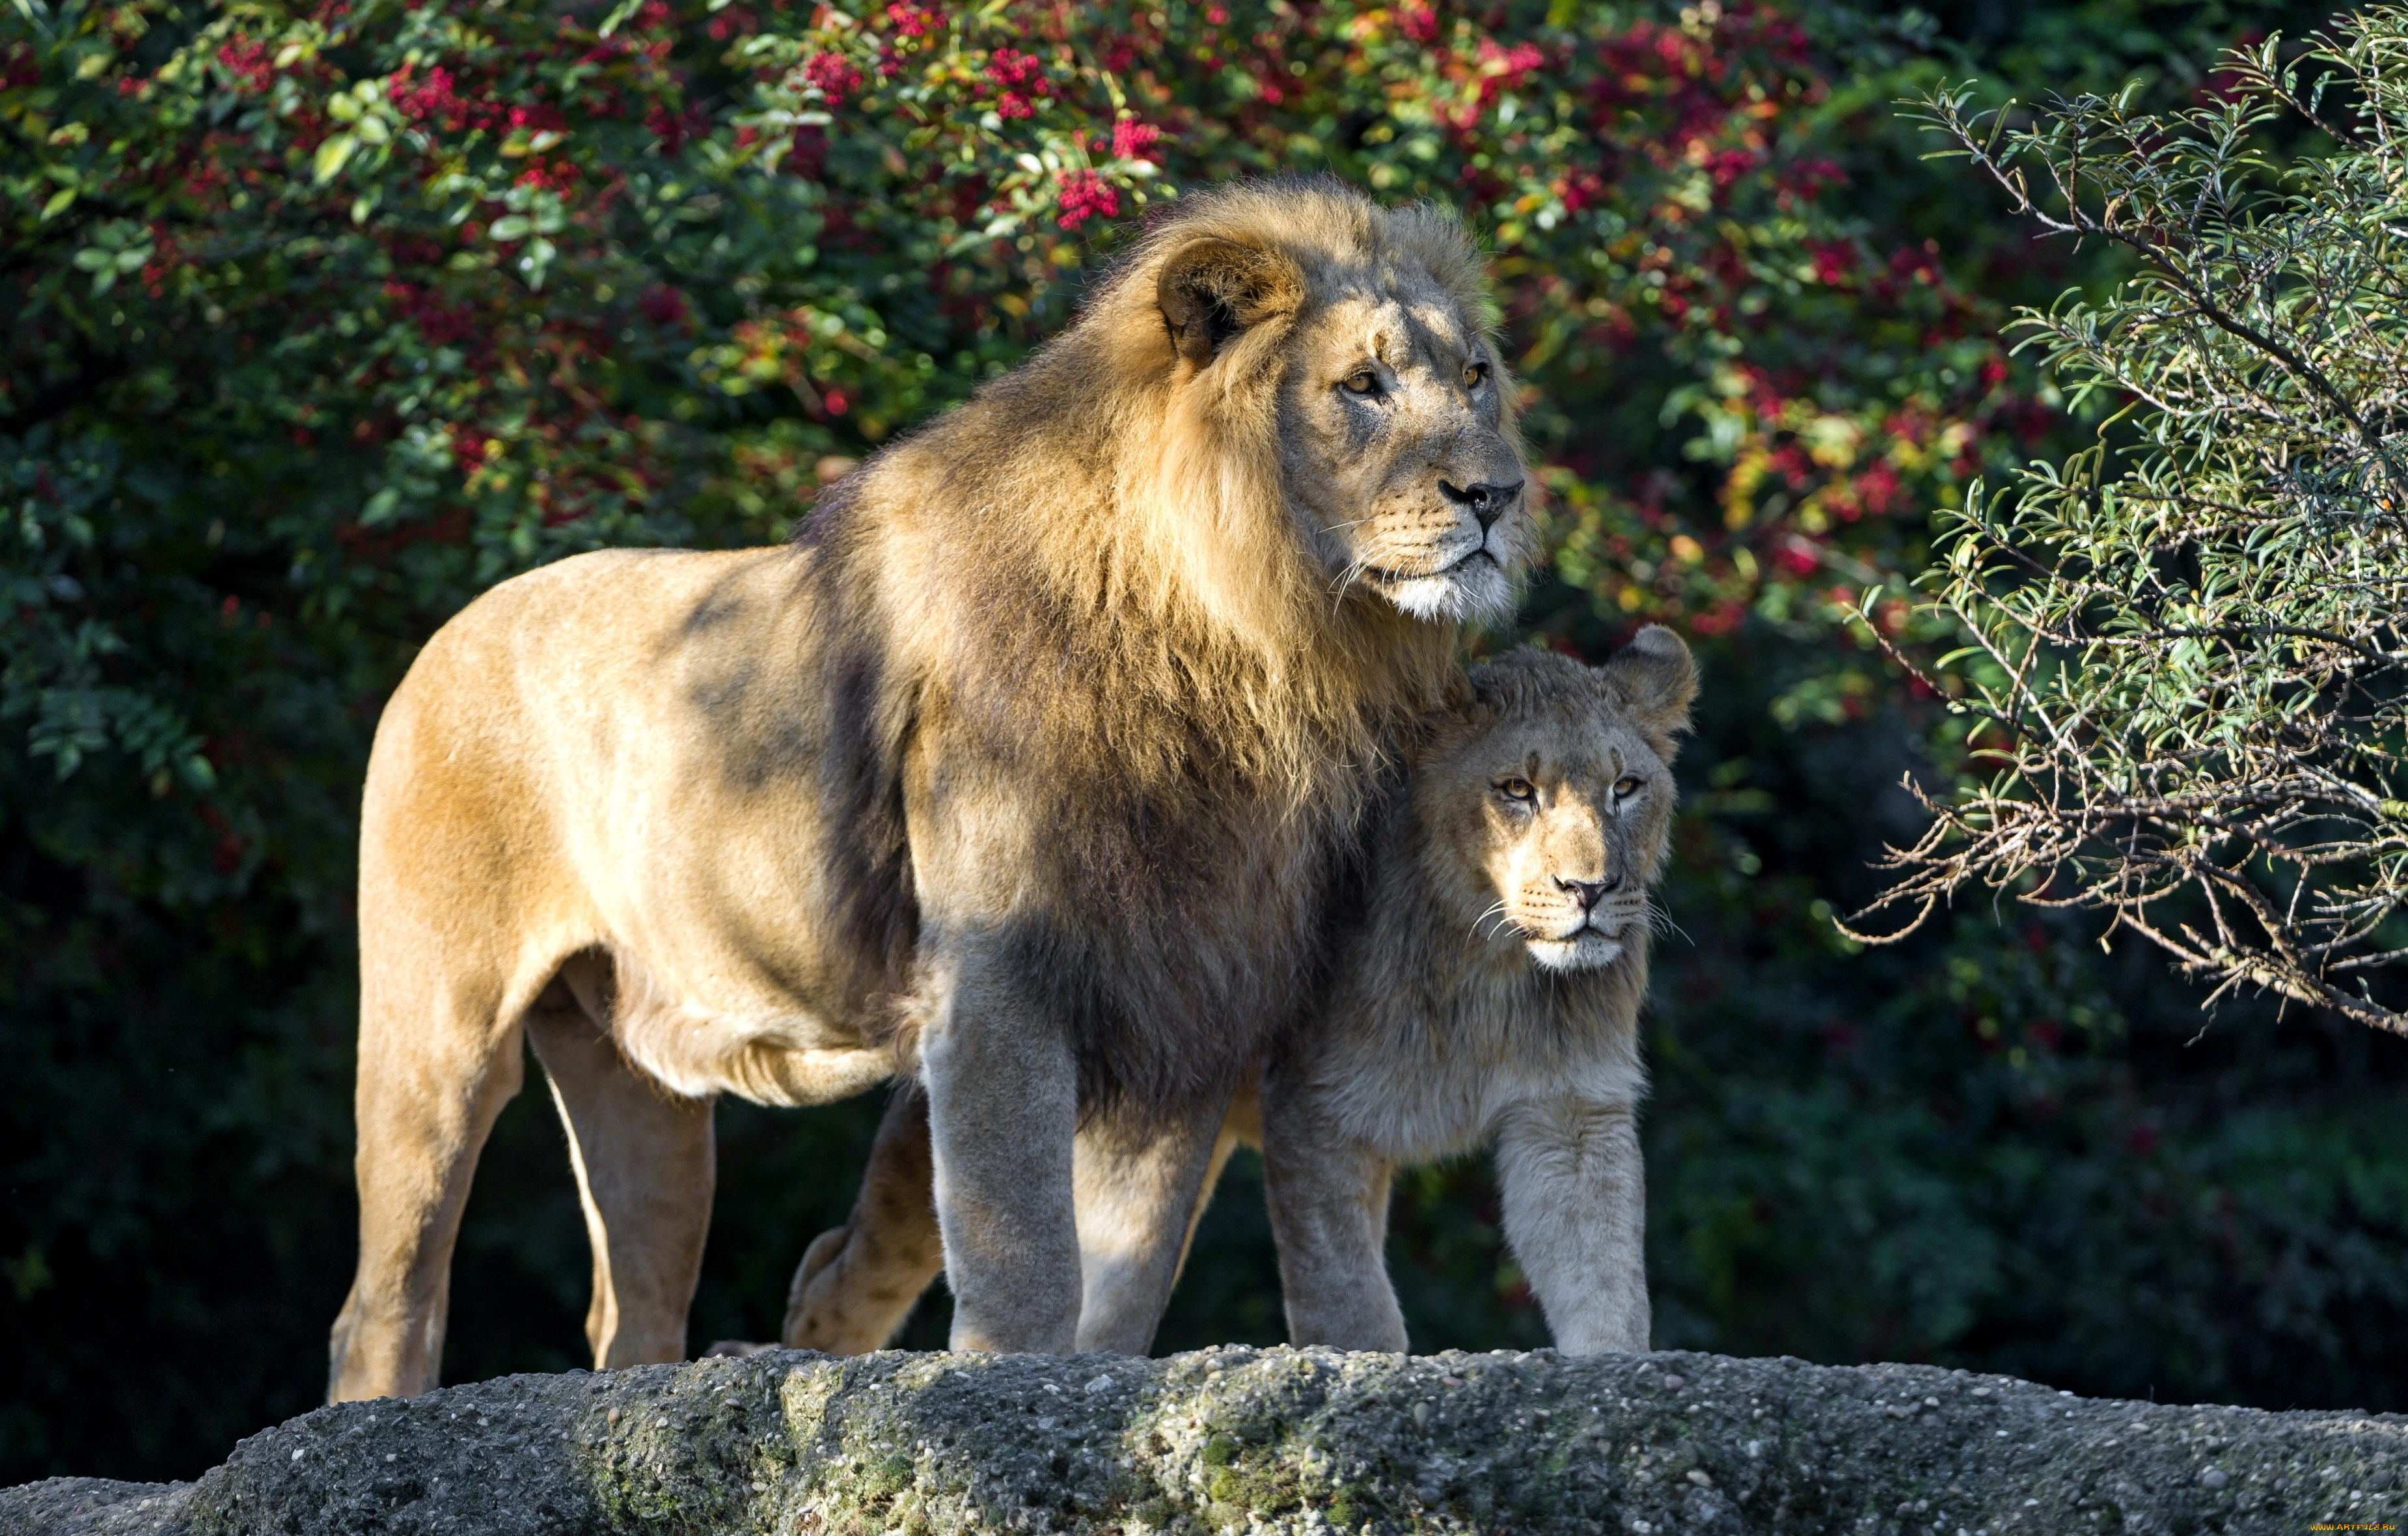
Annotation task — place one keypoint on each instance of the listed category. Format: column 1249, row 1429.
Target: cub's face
column 1548, row 809
column 1395, row 442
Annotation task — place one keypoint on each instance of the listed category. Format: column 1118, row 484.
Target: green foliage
column 321, row 319
column 2188, row 657
column 2002, row 1147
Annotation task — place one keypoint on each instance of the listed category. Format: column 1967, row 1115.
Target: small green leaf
column 332, row 154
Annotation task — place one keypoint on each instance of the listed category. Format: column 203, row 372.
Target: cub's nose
column 1588, row 892
column 1485, row 501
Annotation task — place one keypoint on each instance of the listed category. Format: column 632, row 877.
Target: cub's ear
column 1654, row 680
column 1212, row 289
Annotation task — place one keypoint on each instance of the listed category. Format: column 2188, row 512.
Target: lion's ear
column 1654, row 678
column 1212, row 289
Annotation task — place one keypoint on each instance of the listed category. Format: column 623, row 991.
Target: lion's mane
column 1108, row 586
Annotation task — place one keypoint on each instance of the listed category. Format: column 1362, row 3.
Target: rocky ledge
column 1277, row 1439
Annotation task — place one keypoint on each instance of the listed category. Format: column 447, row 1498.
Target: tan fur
column 1473, row 997
column 858, row 1281
column 1036, row 757
column 1483, row 997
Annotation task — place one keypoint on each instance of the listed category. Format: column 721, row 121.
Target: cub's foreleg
column 1576, row 1218
column 1328, row 1198
column 857, row 1283
column 644, row 1163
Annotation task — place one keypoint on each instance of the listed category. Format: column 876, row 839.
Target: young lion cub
column 1490, row 985
column 1493, row 989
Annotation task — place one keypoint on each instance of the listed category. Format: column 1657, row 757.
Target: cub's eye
column 1625, row 787
column 1517, row 790
column 1474, row 375
column 1361, row 381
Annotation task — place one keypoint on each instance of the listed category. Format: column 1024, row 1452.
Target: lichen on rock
column 1278, row 1440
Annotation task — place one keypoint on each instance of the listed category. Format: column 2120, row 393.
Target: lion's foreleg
column 1141, row 1190
column 857, row 1283
column 1003, row 1107
column 1328, row 1198
column 1576, row 1219
column 643, row 1160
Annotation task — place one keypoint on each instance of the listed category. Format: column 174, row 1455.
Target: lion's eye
column 1517, row 790
column 1361, row 381
column 1625, row 787
column 1474, row 375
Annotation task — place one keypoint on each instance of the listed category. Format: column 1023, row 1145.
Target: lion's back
column 552, row 692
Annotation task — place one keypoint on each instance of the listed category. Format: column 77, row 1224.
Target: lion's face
column 1548, row 809
column 1396, row 445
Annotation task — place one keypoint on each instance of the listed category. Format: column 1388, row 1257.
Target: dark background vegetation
column 1998, row 1146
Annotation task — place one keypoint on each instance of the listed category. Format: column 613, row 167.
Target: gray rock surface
column 1233, row 1440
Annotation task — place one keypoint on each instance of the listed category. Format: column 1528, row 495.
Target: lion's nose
column 1486, row 502
column 1588, row 892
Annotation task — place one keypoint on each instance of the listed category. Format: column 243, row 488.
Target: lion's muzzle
column 1468, row 563
column 1486, row 502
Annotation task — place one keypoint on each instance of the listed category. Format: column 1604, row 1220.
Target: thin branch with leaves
column 2186, row 659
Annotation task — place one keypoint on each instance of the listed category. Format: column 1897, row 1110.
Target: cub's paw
column 734, row 1349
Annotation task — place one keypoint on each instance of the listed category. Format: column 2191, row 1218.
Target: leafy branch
column 2187, row 661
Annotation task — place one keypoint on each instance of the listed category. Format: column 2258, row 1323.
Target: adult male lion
column 1033, row 758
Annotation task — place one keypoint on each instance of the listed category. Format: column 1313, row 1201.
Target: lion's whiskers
column 1346, row 578
column 1498, row 912
column 1660, row 921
